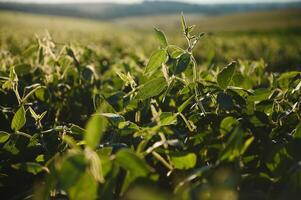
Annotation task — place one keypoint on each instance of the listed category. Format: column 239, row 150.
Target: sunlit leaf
column 152, row 88
column 95, row 130
column 225, row 76
column 4, row 136
column 156, row 60
column 30, row 167
column 161, row 37
column 19, row 119
column 131, row 162
column 183, row 160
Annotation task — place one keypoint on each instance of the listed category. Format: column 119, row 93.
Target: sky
column 135, row 1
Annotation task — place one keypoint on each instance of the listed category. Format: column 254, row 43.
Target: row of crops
column 77, row 123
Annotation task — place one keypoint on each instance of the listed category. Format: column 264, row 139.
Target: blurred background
column 252, row 30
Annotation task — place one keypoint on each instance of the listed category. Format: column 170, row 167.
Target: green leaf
column 225, row 76
column 31, row 167
column 131, row 162
column 40, row 158
column 116, row 118
column 34, row 114
column 183, row 63
column 152, row 88
column 106, row 163
column 227, row 124
column 175, row 51
column 183, row 22
column 84, row 188
column 234, row 145
column 4, row 136
column 161, row 36
column 183, row 160
column 156, row 60
column 260, row 95
column 95, row 129
column 77, row 130
column 167, row 118
column 19, row 119
column 41, row 94
column 70, row 169
column 30, row 50
column 22, row 69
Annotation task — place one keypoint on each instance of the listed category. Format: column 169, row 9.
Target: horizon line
column 143, row 1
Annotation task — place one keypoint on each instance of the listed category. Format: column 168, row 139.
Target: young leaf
column 34, row 114
column 94, row 130
column 4, row 136
column 156, row 60
column 152, row 88
column 183, row 161
column 19, row 119
column 183, row 22
column 161, row 36
column 225, row 76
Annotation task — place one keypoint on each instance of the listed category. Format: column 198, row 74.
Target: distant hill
column 113, row 11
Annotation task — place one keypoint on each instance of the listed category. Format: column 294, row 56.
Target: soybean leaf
column 40, row 158
column 84, row 188
column 227, row 124
column 19, row 119
column 175, row 51
column 77, row 130
column 104, row 155
column 182, row 63
column 183, row 160
column 234, row 145
column 167, row 118
column 4, row 136
column 73, row 165
column 22, row 69
column 95, row 129
column 156, row 60
column 161, row 36
column 30, row 50
column 116, row 118
column 131, row 162
column 31, row 167
column 152, row 88
column 225, row 76
column 260, row 95
column 183, row 22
